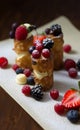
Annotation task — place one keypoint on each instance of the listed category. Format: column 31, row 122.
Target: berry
column 27, row 72
column 46, row 53
column 14, row 26
column 73, row 116
column 30, row 80
column 19, row 70
column 36, row 42
column 47, row 31
column 78, row 64
column 12, row 34
column 54, row 94
column 39, row 47
column 69, row 63
column 71, row 98
column 59, row 109
column 31, row 49
column 48, row 43
column 72, row 72
column 21, row 33
column 3, row 62
column 26, row 90
column 36, row 54
column 15, row 67
column 67, row 48
column 36, row 92
column 56, row 30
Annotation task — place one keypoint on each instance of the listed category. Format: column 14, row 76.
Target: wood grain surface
column 12, row 116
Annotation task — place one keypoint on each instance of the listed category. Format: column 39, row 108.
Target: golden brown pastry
column 55, row 33
column 42, row 64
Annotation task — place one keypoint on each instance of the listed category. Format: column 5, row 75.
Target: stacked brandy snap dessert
column 23, row 39
column 42, row 62
column 55, row 33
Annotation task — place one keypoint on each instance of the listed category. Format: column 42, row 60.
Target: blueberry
column 12, row 34
column 78, row 64
column 47, row 30
column 30, row 80
column 48, row 43
column 14, row 26
column 73, row 116
column 19, row 70
column 56, row 30
column 31, row 49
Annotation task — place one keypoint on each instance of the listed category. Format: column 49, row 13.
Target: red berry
column 46, row 53
column 67, row 48
column 59, row 109
column 15, row 67
column 3, row 62
column 36, row 42
column 21, row 33
column 36, row 54
column 69, row 63
column 72, row 72
column 54, row 94
column 27, row 72
column 39, row 47
column 26, row 90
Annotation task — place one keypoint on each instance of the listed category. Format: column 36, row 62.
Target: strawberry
column 39, row 37
column 71, row 98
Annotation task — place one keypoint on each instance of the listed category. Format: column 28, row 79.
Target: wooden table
column 12, row 116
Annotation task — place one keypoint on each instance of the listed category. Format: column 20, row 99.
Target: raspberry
column 15, row 67
column 67, row 48
column 39, row 47
column 54, row 94
column 27, row 72
column 26, row 90
column 3, row 62
column 69, row 63
column 72, row 72
column 46, row 53
column 36, row 54
column 21, row 33
column 59, row 109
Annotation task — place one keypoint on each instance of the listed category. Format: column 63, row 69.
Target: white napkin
column 42, row 112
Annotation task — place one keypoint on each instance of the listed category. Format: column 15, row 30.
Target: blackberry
column 56, row 30
column 73, row 116
column 36, row 92
column 48, row 43
column 78, row 64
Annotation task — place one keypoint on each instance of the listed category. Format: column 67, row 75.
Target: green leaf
column 79, row 84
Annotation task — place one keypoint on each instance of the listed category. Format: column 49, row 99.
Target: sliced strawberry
column 39, row 37
column 71, row 99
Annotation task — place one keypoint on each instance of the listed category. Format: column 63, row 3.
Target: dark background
column 12, row 116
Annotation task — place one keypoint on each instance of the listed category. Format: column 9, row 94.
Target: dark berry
column 69, row 63
column 27, row 72
column 19, row 70
column 47, row 31
column 26, row 90
column 73, row 116
column 36, row 92
column 14, row 26
column 46, row 53
column 72, row 72
column 67, row 48
column 78, row 64
column 54, row 94
column 56, row 29
column 48, row 43
column 31, row 49
column 59, row 109
column 36, row 54
column 30, row 80
column 12, row 34
column 3, row 62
